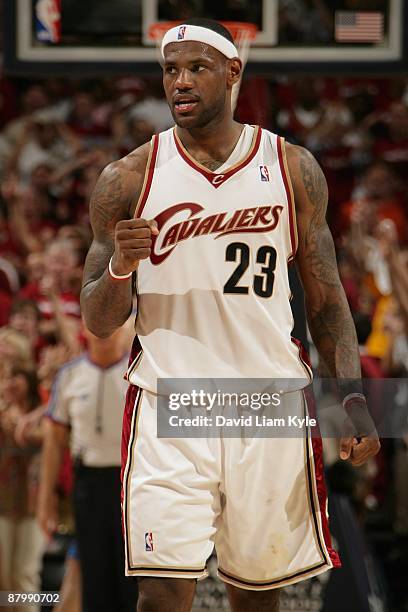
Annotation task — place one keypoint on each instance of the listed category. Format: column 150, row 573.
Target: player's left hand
column 359, row 450
column 359, row 439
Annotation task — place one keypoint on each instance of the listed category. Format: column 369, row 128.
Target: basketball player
column 207, row 216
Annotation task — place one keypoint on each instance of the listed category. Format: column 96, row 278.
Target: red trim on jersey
column 303, row 355
column 291, row 204
column 218, row 179
column 317, row 446
column 151, row 163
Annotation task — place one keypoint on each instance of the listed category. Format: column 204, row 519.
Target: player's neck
column 105, row 359
column 215, row 141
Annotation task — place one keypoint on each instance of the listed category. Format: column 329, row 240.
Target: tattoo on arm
column 105, row 304
column 318, row 240
column 334, row 335
column 107, row 200
column 328, row 313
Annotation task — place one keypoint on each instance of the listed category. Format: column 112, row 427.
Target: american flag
column 359, row 26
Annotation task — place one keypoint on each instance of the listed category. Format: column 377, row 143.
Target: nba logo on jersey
column 181, row 32
column 264, row 173
column 149, row 541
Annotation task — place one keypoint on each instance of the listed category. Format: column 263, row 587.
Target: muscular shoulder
column 308, row 181
column 117, row 189
column 133, row 164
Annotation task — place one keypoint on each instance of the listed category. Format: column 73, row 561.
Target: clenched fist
column 360, row 439
column 133, row 241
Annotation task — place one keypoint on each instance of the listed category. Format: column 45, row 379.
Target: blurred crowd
column 56, row 135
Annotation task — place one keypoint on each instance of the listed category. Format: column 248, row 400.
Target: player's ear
column 234, row 69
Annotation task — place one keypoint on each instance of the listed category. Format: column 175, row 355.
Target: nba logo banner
column 149, row 541
column 264, row 173
column 48, row 20
column 181, row 32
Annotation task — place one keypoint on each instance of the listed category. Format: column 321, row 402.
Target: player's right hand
column 133, row 242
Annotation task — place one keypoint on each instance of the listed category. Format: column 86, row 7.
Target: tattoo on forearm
column 106, row 304
column 104, row 308
column 334, row 335
column 328, row 314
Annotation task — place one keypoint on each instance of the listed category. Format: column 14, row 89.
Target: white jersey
column 214, row 297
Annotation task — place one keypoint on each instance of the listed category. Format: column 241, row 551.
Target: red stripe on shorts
column 317, row 446
column 131, row 396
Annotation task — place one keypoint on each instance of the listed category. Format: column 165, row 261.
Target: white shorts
column 260, row 501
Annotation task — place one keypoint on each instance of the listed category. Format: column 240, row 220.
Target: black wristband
column 349, row 386
column 355, row 405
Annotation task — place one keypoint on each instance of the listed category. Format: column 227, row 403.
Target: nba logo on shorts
column 264, row 173
column 181, row 32
column 149, row 541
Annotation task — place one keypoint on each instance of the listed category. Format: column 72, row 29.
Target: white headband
column 197, row 33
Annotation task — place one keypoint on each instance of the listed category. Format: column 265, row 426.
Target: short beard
column 206, row 116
